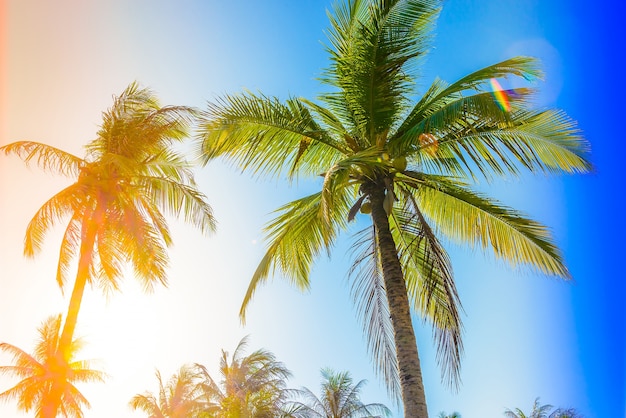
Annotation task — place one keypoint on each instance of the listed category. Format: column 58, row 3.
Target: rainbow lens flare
column 500, row 95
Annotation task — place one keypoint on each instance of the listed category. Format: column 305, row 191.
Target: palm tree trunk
column 63, row 351
column 88, row 240
column 413, row 395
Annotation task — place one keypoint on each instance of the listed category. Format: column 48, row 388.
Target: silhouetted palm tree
column 452, row 415
column 340, row 398
column 409, row 166
column 543, row 411
column 47, row 384
column 252, row 386
column 178, row 398
column 128, row 178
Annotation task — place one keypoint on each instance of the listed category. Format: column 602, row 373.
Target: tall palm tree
column 251, row 386
column 178, row 398
column 128, row 178
column 340, row 398
column 48, row 381
column 409, row 165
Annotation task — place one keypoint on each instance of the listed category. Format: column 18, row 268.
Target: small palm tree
column 452, row 415
column 340, row 398
column 543, row 411
column 178, row 398
column 128, row 178
column 409, row 165
column 538, row 411
column 565, row 413
column 47, row 384
column 251, row 386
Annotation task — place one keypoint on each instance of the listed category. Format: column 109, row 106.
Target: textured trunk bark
column 413, row 395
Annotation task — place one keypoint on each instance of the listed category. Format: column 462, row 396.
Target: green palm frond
column 467, row 217
column 297, row 236
column 372, row 45
column 257, row 132
column 441, row 93
column 430, row 284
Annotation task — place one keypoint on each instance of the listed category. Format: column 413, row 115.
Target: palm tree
column 452, row 415
column 129, row 176
column 565, row 413
column 178, row 398
column 543, row 411
column 340, row 398
column 47, row 384
column 251, row 386
column 538, row 411
column 409, row 165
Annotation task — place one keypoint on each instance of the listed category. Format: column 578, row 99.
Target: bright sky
column 525, row 336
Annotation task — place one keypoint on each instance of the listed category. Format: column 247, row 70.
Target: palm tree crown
column 47, row 384
column 178, row 398
column 409, row 165
column 251, row 386
column 340, row 398
column 543, row 411
column 129, row 177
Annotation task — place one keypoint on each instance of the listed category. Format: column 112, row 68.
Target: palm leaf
column 47, row 157
column 472, row 219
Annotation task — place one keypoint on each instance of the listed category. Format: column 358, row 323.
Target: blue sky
column 525, row 336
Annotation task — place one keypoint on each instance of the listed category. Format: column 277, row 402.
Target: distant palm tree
column 543, row 411
column 47, row 384
column 252, row 386
column 452, row 415
column 178, row 398
column 340, row 398
column 565, row 413
column 409, row 165
column 129, row 176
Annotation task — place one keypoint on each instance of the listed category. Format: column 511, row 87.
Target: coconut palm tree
column 409, row 165
column 565, row 413
column 48, row 380
column 340, row 398
column 178, row 398
column 452, row 415
column 129, row 177
column 538, row 411
column 543, row 411
column 251, row 386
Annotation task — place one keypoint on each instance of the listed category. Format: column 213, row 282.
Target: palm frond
column 372, row 47
column 48, row 158
column 64, row 203
column 467, row 217
column 440, row 93
column 296, row 237
column 430, row 283
column 264, row 135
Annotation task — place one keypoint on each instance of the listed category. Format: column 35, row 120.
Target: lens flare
column 500, row 95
